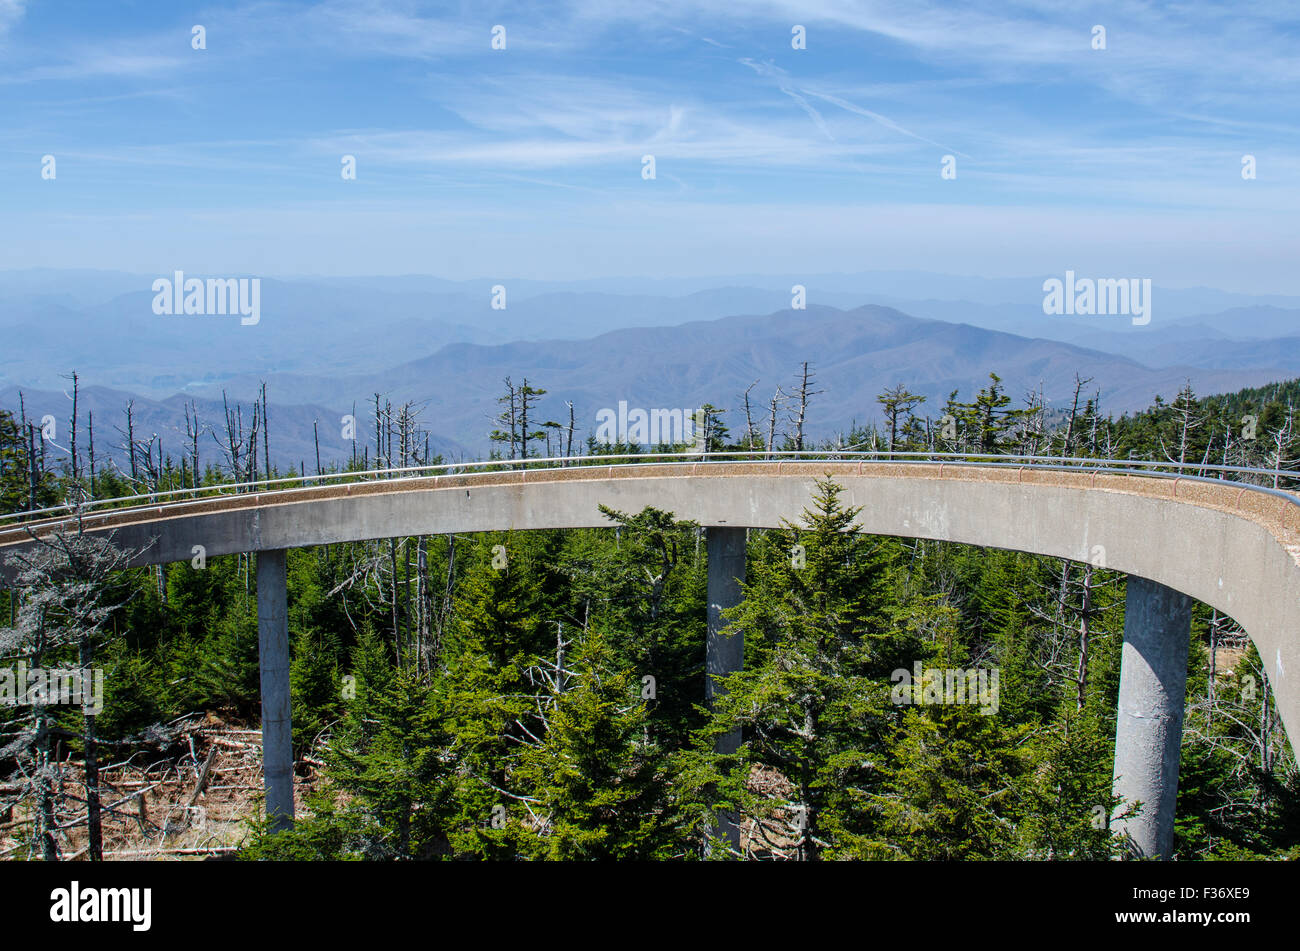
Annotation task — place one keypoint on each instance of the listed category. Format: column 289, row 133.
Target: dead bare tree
column 35, row 475
column 1033, row 424
column 266, row 437
column 130, row 438
column 73, row 456
column 1281, row 441
column 568, row 447
column 250, row 452
column 90, row 433
column 71, row 587
column 1184, row 410
column 1067, row 447
column 192, row 431
column 804, row 395
column 1072, row 626
column 777, row 399
column 234, row 437
column 26, row 431
column 751, row 434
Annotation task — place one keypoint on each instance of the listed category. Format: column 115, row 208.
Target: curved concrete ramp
column 1220, row 542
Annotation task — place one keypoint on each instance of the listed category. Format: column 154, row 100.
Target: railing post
column 277, row 712
column 1149, row 727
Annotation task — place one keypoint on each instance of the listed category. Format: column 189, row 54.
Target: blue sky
column 526, row 162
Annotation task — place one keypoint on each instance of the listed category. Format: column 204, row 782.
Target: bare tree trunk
column 568, row 449
column 771, row 424
column 1074, row 412
column 379, row 434
column 397, row 632
column 750, row 432
column 1065, row 586
column 46, row 823
column 561, row 677
column 94, row 824
column 1210, row 685
column 251, row 452
column 194, row 449
column 388, row 434
column 45, row 770
column 406, row 596
column 72, row 433
column 266, row 437
column 1280, row 440
column 1085, row 621
column 90, row 432
column 808, row 850
column 511, row 414
column 805, row 395
column 130, row 437
column 27, row 435
column 1265, row 724
column 31, row 467
column 523, row 419
column 234, row 437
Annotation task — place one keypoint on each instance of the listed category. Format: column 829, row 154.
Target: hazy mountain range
column 323, row 344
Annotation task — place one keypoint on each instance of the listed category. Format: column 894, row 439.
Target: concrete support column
column 273, row 659
column 724, row 654
column 1149, row 729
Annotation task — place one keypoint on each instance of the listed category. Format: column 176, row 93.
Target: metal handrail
column 407, row 473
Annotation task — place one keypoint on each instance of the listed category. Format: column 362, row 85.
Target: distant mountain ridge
column 855, row 354
column 103, row 324
column 327, row 342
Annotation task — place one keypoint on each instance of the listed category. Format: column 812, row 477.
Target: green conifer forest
column 541, row 695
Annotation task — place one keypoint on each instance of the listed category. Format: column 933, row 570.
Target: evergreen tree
column 988, row 418
column 817, row 626
column 595, row 789
column 955, row 777
column 488, row 697
column 898, row 403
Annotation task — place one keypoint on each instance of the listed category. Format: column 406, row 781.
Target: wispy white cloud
column 98, row 65
column 1154, row 125
column 800, row 93
column 782, row 80
column 702, row 39
column 11, row 11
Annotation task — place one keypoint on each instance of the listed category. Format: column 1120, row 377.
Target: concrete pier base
column 724, row 654
column 1149, row 728
column 277, row 713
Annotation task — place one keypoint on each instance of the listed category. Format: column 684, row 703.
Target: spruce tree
column 595, row 789
column 810, row 703
column 498, row 627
